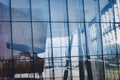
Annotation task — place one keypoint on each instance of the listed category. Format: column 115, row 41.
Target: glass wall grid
column 50, row 29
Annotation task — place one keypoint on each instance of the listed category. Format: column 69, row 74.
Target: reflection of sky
column 58, row 8
column 5, row 2
column 20, row 3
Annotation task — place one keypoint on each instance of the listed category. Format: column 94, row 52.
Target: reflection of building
column 79, row 38
column 22, row 36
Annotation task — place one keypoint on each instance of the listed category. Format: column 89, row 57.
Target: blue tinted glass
column 40, row 11
column 74, row 10
column 20, row 10
column 4, row 10
column 5, row 38
column 59, row 30
column 89, row 6
column 39, row 36
column 22, row 39
column 59, row 34
column 103, row 4
column 73, row 31
column 58, row 10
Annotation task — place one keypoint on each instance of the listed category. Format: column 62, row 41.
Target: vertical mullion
column 88, row 63
column 53, row 71
column 11, row 63
column 33, row 62
column 69, row 41
column 80, row 52
column 99, row 36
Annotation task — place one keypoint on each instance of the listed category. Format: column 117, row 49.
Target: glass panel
column 5, row 38
column 73, row 32
column 39, row 41
column 59, row 33
column 116, row 13
column 111, row 66
column 4, row 10
column 20, row 10
column 118, row 39
column 75, row 68
column 90, row 10
column 51, row 40
column 22, row 49
column 39, row 45
column 118, row 5
column 107, row 11
column 40, row 11
column 5, row 51
column 60, row 47
column 58, row 10
column 22, row 40
column 103, row 4
column 74, row 10
column 47, row 74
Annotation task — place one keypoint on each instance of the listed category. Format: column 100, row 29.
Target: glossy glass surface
column 60, row 39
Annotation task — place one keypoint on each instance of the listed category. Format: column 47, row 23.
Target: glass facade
column 60, row 39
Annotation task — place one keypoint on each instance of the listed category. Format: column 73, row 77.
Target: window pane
column 20, row 10
column 59, row 34
column 39, row 36
column 58, row 10
column 40, row 11
column 22, row 40
column 5, row 37
column 89, row 6
column 74, row 10
column 4, row 10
